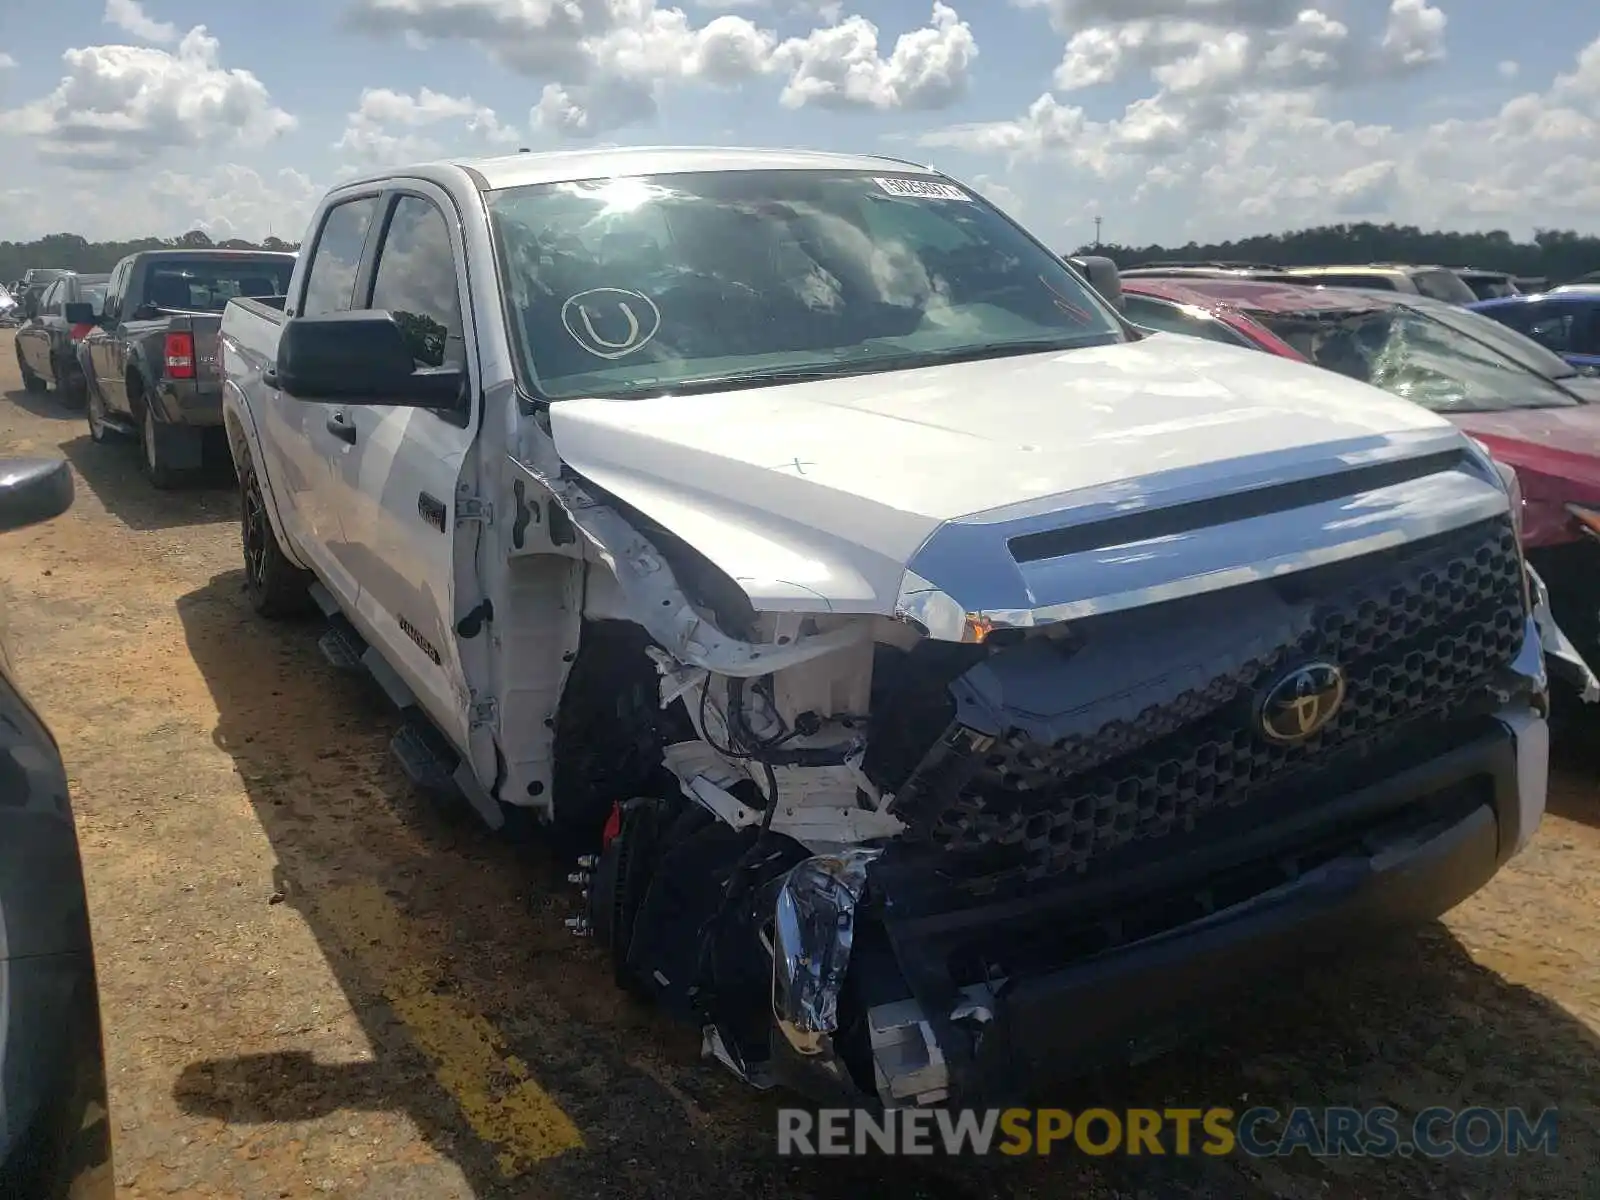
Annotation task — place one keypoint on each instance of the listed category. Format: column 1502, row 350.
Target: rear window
column 1443, row 285
column 1351, row 279
column 94, row 295
column 1490, row 287
column 200, row 285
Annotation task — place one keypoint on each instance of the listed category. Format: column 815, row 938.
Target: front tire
column 276, row 587
column 100, row 431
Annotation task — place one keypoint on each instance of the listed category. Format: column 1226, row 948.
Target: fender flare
column 136, row 365
column 245, row 441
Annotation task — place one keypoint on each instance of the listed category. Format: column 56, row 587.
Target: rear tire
column 276, row 587
column 158, row 473
column 69, row 385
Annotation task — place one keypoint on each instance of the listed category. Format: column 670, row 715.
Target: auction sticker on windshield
column 921, row 189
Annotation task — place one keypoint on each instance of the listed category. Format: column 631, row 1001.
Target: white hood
column 823, row 491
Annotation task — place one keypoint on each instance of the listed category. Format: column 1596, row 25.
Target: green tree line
column 69, row 251
column 1554, row 254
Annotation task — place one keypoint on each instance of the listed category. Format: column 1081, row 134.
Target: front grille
column 1418, row 632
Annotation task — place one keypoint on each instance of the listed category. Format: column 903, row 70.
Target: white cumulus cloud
column 391, row 128
column 123, row 106
column 1269, row 154
column 130, row 17
column 603, row 64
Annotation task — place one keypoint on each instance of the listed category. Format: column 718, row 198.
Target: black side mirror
column 365, row 357
column 79, row 313
column 33, row 490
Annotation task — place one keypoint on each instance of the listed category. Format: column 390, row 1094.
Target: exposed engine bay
column 834, row 868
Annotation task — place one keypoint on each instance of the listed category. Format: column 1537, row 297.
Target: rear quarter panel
column 246, row 345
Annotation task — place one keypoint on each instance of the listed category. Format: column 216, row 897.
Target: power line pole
column 1097, row 233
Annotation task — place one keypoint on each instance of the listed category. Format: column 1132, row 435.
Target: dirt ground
column 315, row 984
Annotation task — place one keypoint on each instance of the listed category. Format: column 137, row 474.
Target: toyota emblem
column 1301, row 702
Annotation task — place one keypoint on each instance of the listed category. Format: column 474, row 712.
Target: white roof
column 563, row 166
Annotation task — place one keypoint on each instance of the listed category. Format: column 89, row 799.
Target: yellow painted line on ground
column 505, row 1106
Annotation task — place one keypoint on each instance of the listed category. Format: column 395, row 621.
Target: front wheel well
column 610, row 730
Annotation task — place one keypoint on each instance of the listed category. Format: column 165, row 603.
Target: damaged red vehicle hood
column 1556, row 453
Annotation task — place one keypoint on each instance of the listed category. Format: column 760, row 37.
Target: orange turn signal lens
column 1589, row 518
column 977, row 628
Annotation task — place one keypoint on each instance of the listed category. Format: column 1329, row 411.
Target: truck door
column 398, row 491
column 33, row 339
column 299, row 439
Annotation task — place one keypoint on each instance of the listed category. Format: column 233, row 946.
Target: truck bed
column 248, row 340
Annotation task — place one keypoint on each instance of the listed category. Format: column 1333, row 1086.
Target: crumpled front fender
column 1558, row 648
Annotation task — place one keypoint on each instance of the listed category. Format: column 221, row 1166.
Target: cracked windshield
column 1421, row 359
column 643, row 283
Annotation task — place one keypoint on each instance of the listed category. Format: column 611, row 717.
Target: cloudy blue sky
column 1170, row 119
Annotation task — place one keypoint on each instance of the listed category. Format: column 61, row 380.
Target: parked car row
column 1453, row 285
column 138, row 348
column 1442, row 283
column 1534, row 410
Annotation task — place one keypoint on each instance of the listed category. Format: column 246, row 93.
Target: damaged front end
column 949, row 853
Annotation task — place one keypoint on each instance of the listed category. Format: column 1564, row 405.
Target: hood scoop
column 1151, row 524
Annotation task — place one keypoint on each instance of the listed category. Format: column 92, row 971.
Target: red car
column 1527, row 405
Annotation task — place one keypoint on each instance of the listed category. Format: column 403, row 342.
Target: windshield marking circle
column 579, row 323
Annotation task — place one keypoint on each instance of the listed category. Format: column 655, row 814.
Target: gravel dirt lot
column 315, row 984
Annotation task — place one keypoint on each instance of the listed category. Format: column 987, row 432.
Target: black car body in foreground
column 55, row 1136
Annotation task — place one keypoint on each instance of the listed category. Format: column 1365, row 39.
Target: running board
column 425, row 755
column 341, row 645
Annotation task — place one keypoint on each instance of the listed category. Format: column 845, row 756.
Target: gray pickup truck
column 150, row 362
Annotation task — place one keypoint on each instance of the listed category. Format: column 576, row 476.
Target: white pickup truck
column 947, row 686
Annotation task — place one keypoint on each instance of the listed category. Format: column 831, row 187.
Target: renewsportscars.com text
column 1328, row 1132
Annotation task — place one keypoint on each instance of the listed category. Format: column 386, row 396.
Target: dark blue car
column 1567, row 322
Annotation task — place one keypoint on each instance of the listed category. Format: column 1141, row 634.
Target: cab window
column 331, row 278
column 1553, row 330
column 415, row 282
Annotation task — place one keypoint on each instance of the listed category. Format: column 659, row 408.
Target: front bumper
column 1424, row 840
